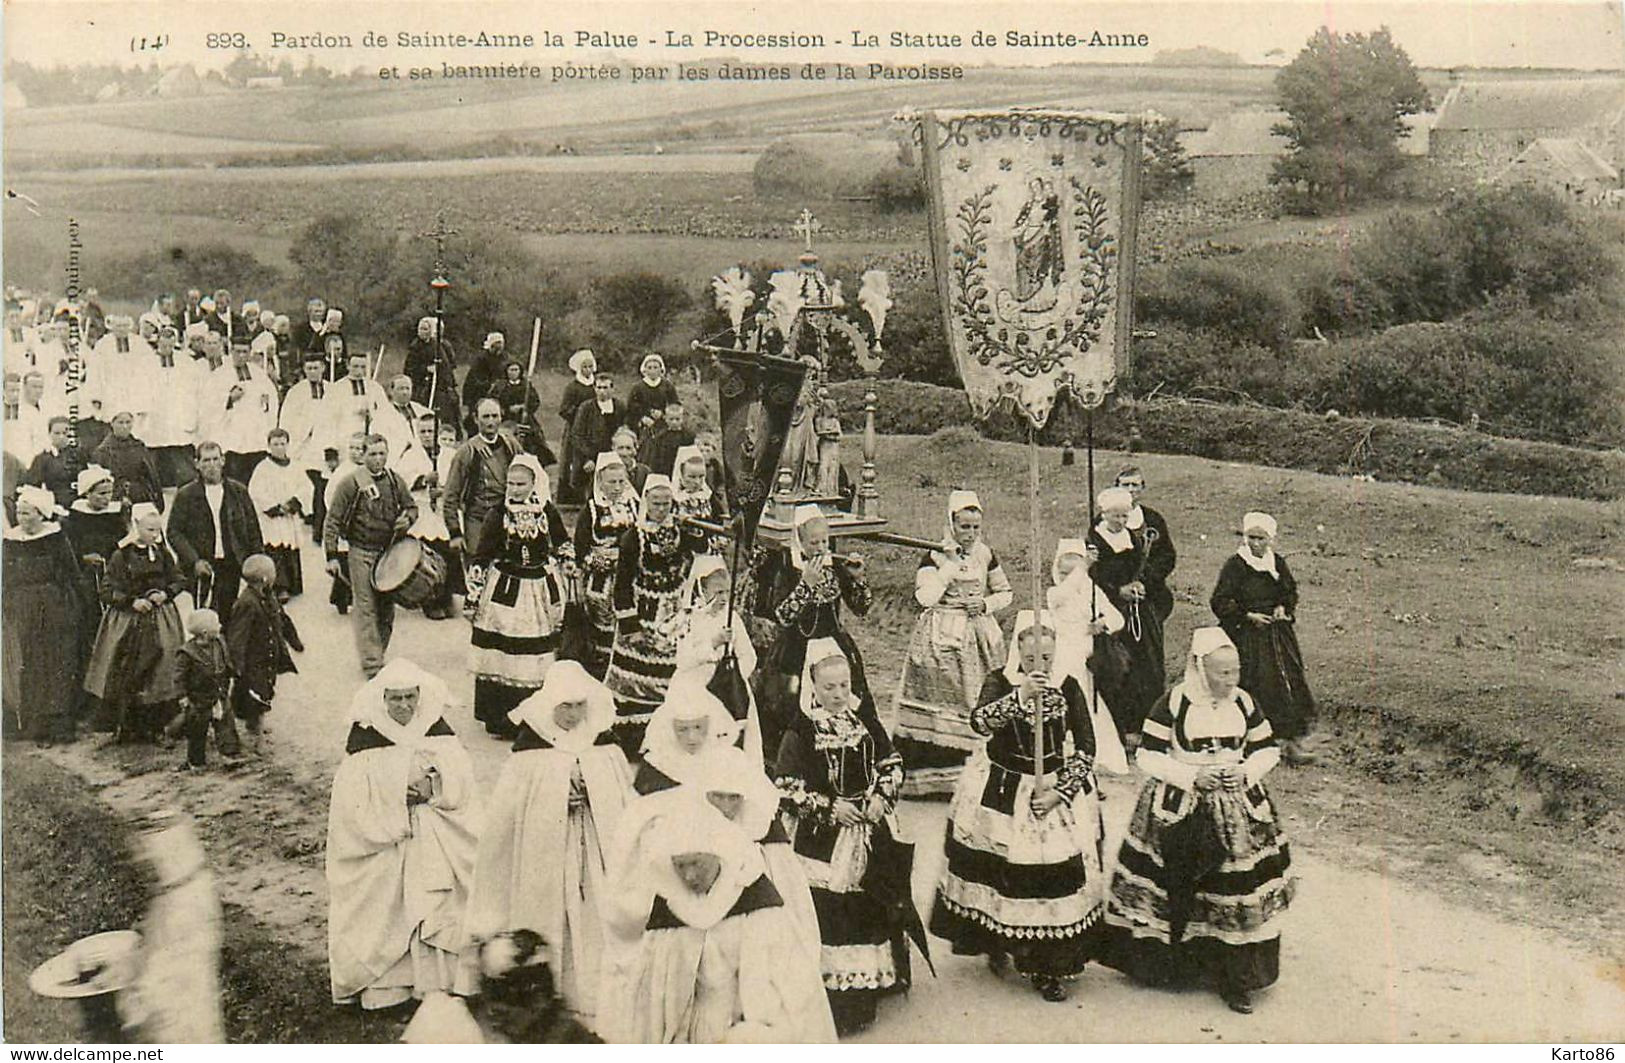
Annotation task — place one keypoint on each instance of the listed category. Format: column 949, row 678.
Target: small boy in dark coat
column 255, row 638
column 659, row 448
column 205, row 679
column 710, row 444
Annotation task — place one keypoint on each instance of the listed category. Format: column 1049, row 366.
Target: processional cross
column 439, row 283
column 438, row 234
column 805, row 226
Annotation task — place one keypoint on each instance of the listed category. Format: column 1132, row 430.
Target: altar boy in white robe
column 166, row 413
column 283, row 495
column 401, row 837
column 541, row 855
column 357, row 404
column 121, row 361
column 239, row 409
column 309, row 423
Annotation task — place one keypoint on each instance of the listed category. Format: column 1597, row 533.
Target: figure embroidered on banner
column 1040, row 265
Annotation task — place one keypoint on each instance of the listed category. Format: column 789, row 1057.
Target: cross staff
column 439, row 283
column 805, row 226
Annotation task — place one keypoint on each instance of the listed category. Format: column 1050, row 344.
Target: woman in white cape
column 718, row 959
column 704, row 635
column 688, row 722
column 540, row 864
column 728, row 779
column 401, row 836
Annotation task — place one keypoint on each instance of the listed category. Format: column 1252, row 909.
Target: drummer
column 371, row 508
column 417, row 468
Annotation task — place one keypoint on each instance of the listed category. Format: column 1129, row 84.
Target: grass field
column 1462, row 613
column 691, row 204
column 1470, row 675
column 68, row 874
column 689, row 225
column 686, row 223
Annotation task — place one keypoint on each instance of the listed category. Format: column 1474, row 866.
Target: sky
column 1576, row 34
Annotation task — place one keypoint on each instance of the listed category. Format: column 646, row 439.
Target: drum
column 409, row 572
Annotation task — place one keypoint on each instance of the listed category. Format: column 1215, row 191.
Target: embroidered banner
column 1032, row 233
column 757, row 394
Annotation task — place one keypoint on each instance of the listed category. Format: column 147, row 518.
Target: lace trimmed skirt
column 1018, row 883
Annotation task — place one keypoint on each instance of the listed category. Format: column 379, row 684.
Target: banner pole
column 1089, row 508
column 1035, row 563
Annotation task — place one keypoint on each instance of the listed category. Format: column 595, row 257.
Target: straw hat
column 91, row 966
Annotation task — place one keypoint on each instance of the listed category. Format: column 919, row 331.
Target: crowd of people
column 695, row 835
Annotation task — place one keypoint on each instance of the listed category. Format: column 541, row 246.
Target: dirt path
column 1366, row 957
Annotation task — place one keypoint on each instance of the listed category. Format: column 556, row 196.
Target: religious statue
column 801, row 444
column 827, row 430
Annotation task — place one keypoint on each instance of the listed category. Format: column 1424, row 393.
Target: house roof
column 1562, row 155
column 1554, row 102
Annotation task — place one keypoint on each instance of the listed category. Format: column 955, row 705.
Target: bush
column 897, row 189
column 1388, row 450
column 822, row 165
column 1551, row 377
column 1166, row 171
column 1182, row 361
column 1241, row 306
column 139, row 278
column 632, row 310
column 1479, row 245
column 351, row 261
column 1500, row 305
column 1421, row 370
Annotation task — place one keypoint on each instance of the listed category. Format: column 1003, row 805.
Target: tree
column 245, row 65
column 633, row 310
column 347, row 259
column 1345, row 95
column 1166, row 171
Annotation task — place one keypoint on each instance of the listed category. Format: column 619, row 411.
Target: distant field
column 439, row 114
column 606, row 163
column 442, row 116
column 690, row 204
column 108, row 137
